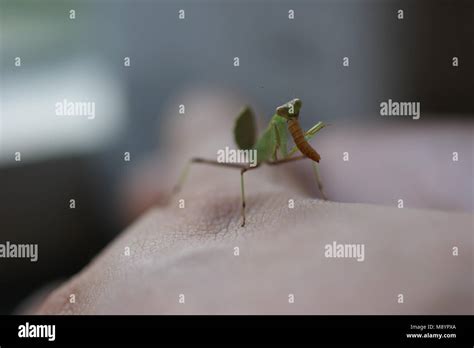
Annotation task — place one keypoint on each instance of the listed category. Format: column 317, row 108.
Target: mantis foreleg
column 308, row 135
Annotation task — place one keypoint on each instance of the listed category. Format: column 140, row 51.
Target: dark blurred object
column 35, row 209
column 432, row 33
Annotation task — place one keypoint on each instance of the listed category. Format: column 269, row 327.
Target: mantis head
column 289, row 110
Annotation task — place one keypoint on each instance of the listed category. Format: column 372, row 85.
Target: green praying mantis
column 271, row 147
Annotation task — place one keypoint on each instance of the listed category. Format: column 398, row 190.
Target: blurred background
column 82, row 59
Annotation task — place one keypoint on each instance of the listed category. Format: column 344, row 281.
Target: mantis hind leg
column 184, row 173
column 318, row 180
column 243, row 168
column 182, row 178
column 315, row 170
column 242, row 191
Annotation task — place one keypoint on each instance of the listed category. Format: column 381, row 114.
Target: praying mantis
column 271, row 147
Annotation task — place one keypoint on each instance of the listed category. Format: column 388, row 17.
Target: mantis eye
column 295, row 106
column 290, row 109
column 282, row 111
column 293, row 110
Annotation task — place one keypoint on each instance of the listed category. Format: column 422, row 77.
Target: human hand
column 191, row 251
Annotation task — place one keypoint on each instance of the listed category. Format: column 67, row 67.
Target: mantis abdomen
column 300, row 141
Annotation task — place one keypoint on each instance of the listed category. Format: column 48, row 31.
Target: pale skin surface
column 190, row 251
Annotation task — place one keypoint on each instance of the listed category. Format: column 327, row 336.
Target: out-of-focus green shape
column 245, row 130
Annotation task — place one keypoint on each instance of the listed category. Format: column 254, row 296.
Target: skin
column 191, row 250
